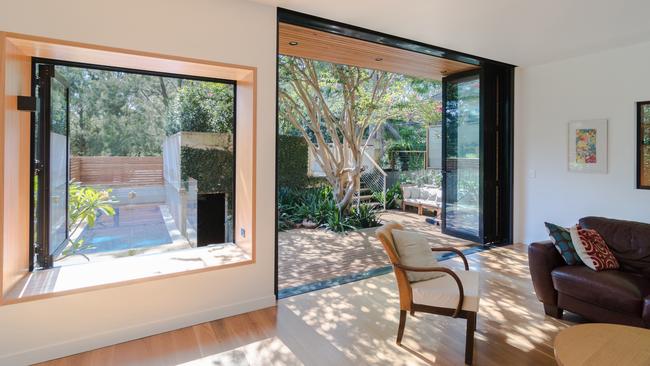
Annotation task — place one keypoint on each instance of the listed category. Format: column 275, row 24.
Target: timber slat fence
column 117, row 170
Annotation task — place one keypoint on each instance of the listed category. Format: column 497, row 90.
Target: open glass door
column 50, row 163
column 461, row 156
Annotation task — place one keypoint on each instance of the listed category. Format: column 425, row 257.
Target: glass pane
column 58, row 165
column 38, row 158
column 462, row 158
column 157, row 154
column 645, row 145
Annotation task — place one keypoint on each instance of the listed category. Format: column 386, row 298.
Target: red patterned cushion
column 592, row 249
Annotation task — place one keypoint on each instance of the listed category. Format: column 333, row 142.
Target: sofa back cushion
column 411, row 192
column 428, row 194
column 628, row 240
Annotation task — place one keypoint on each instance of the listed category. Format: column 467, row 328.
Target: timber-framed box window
column 126, row 163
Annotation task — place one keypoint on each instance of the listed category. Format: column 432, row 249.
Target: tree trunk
column 337, row 141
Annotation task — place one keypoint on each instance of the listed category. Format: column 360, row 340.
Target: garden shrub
column 393, row 195
column 293, row 163
column 318, row 206
column 206, row 166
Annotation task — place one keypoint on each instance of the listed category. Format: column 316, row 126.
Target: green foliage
column 393, row 194
column 422, row 177
column 293, row 161
column 364, row 216
column 336, row 221
column 317, row 205
column 298, row 205
column 202, row 107
column 83, row 205
column 408, row 99
column 124, row 114
column 212, row 168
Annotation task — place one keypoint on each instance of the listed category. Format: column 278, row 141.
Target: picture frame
column 588, row 146
column 643, row 145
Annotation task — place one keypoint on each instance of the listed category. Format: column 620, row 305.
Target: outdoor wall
column 602, row 85
column 226, row 31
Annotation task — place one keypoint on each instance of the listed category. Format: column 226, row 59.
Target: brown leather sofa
column 616, row 296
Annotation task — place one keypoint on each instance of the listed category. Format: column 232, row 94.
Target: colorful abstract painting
column 586, row 146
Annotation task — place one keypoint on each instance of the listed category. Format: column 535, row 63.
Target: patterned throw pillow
column 561, row 238
column 592, row 249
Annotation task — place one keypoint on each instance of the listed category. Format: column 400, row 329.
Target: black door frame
column 445, row 170
column 46, row 75
column 499, row 76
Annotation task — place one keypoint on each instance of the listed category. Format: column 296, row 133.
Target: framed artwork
column 588, row 146
column 643, row 145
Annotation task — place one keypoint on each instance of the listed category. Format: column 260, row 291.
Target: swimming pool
column 132, row 227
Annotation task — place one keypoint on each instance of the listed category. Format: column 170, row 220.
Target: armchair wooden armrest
column 448, row 271
column 454, row 250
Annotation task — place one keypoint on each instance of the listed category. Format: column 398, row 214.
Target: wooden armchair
column 456, row 294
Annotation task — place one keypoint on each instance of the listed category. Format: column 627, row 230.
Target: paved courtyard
column 310, row 255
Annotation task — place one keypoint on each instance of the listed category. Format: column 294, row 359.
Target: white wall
column 602, row 85
column 228, row 31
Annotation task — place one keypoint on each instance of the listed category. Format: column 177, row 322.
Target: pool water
column 132, row 227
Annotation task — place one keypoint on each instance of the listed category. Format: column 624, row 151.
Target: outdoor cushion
column 411, row 192
column 427, row 202
column 443, row 291
column 561, row 238
column 428, row 194
column 414, row 251
column 592, row 249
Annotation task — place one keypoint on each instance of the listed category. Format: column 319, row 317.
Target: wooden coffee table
column 602, row 344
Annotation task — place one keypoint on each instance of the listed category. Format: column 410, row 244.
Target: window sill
column 76, row 278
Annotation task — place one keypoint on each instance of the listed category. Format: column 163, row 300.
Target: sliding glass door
column 461, row 131
column 477, row 154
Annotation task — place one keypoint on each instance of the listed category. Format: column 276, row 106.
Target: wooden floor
column 355, row 324
column 309, row 255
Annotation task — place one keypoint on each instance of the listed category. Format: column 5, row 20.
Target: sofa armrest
column 543, row 257
column 646, row 311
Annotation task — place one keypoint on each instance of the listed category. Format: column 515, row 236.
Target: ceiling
column 308, row 43
column 519, row 32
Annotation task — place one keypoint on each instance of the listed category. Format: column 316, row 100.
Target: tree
column 202, row 107
column 335, row 108
column 113, row 113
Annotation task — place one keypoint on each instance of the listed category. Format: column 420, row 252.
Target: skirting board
column 103, row 339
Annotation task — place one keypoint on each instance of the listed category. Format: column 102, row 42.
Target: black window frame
column 35, row 62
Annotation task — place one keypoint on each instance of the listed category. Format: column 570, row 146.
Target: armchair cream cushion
column 443, row 292
column 414, row 251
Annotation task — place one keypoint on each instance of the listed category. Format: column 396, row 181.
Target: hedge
column 207, row 167
column 293, row 163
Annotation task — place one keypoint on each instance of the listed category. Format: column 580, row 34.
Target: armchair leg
column 554, row 311
column 412, row 312
column 402, row 323
column 469, row 340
